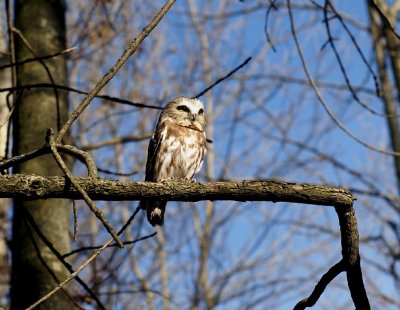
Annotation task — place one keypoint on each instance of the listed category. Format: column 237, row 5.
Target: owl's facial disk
column 189, row 113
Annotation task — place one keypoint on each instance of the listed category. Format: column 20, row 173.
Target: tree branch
column 33, row 187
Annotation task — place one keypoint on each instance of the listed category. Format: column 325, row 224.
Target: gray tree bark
column 35, row 270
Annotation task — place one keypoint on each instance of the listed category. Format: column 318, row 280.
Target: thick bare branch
column 351, row 256
column 32, row 187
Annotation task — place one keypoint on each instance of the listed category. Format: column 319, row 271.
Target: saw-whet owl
column 176, row 150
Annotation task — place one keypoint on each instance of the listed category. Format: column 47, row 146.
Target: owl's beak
column 192, row 117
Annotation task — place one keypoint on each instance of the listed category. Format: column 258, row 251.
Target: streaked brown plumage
column 176, row 150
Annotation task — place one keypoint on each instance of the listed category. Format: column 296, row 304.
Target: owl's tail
column 155, row 211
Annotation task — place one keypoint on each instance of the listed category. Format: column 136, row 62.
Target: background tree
column 40, row 31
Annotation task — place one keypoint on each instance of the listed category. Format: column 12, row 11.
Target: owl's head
column 186, row 112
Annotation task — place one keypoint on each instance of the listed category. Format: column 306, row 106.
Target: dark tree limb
column 351, row 256
column 331, row 274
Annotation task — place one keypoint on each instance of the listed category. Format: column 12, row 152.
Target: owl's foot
column 163, row 181
column 189, row 180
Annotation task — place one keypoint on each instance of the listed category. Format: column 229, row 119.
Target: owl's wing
column 151, row 157
column 155, row 209
column 154, row 148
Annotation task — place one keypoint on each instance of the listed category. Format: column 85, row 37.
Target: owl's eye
column 201, row 111
column 183, row 108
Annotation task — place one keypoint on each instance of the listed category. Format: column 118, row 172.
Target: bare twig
column 271, row 6
column 322, row 84
column 115, row 141
column 121, row 174
column 133, row 46
column 85, row 196
column 223, row 78
column 28, row 60
column 78, row 91
column 46, row 68
column 88, row 248
column 75, row 213
column 68, row 149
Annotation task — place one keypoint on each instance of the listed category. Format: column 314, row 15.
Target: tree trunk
column 385, row 45
column 35, row 269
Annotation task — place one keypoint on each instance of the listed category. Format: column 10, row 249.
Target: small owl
column 176, row 150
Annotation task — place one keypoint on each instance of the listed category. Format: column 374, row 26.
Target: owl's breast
column 181, row 153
